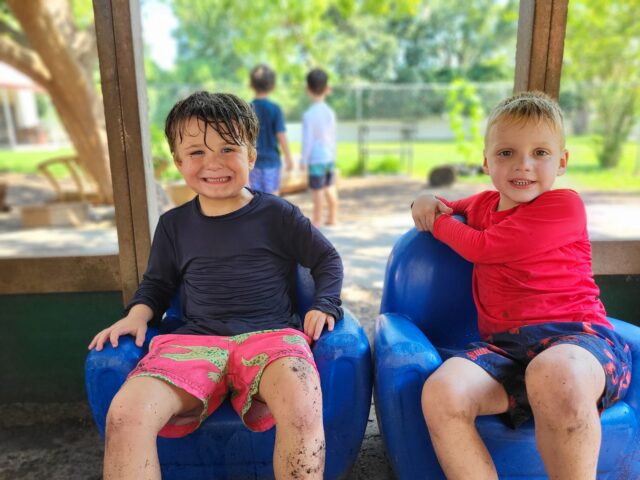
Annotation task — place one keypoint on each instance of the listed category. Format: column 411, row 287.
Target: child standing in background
column 319, row 148
column 272, row 136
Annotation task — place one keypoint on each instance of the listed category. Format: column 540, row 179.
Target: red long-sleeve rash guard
column 532, row 263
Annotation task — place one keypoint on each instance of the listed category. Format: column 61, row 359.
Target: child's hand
column 314, row 322
column 134, row 324
column 425, row 210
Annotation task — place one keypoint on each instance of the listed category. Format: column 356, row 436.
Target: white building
column 20, row 122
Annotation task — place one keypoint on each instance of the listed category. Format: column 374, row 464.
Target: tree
column 602, row 56
column 43, row 40
column 222, row 40
column 472, row 39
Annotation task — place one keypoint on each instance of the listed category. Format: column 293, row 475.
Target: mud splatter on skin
column 303, row 370
column 301, row 465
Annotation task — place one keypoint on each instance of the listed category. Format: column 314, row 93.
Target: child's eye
column 505, row 153
column 196, row 153
column 541, row 153
column 228, row 149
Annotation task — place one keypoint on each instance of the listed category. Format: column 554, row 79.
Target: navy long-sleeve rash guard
column 235, row 269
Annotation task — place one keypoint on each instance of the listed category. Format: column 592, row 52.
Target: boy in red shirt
column 548, row 349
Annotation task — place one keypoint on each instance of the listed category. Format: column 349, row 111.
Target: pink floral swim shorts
column 212, row 367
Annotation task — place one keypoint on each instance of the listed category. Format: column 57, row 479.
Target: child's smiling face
column 523, row 160
column 214, row 168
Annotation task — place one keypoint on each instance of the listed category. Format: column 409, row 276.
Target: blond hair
column 528, row 107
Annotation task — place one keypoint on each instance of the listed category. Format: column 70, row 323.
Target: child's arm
column 425, row 209
column 284, row 145
column 312, row 250
column 306, row 143
column 554, row 219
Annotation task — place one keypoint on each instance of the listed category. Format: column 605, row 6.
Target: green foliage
column 356, row 41
column 387, row 164
column 474, row 39
column 602, row 60
column 465, row 115
column 82, row 13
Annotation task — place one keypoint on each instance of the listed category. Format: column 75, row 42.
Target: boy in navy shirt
column 233, row 251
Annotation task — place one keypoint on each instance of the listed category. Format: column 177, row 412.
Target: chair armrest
column 400, row 344
column 347, row 338
column 106, row 370
column 631, row 335
column 343, row 358
column 403, row 360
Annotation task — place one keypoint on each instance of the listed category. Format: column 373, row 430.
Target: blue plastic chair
column 223, row 448
column 427, row 308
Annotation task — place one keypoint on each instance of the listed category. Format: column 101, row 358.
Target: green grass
column 583, row 172
column 27, row 161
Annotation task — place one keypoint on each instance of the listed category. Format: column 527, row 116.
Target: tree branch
column 16, row 35
column 24, row 60
column 86, row 48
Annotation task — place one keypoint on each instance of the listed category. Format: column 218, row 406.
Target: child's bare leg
column 332, row 201
column 318, row 200
column 564, row 384
column 452, row 398
column 137, row 413
column 291, row 389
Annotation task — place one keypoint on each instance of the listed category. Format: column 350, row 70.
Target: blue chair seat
column 427, row 310
column 223, row 448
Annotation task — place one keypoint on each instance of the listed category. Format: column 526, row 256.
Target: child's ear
column 485, row 165
column 176, row 160
column 253, row 154
column 564, row 160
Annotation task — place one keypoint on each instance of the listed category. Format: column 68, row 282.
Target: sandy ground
column 61, row 442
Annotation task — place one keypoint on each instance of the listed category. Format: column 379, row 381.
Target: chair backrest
column 431, row 284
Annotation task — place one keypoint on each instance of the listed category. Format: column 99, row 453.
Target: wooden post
column 541, row 30
column 118, row 30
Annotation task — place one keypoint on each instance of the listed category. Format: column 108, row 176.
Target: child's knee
column 299, row 397
column 128, row 412
column 124, row 415
column 558, row 386
column 443, row 399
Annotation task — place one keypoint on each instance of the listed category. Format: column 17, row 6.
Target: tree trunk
column 51, row 32
column 616, row 112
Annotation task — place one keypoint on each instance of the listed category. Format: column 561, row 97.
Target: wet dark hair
column 230, row 116
column 317, row 80
column 263, row 78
